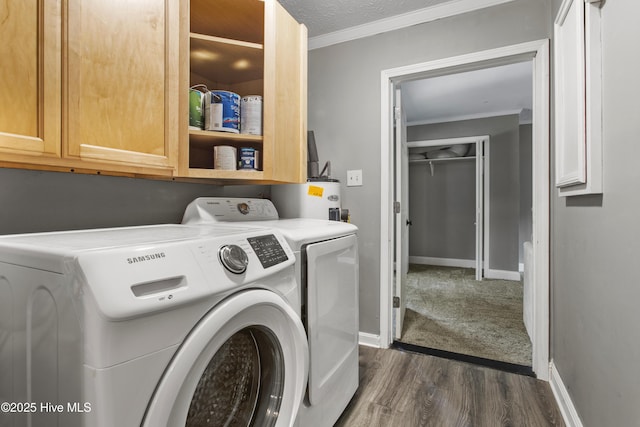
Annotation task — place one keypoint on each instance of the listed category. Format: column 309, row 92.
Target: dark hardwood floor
column 403, row 389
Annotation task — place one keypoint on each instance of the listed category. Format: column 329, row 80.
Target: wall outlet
column 354, row 178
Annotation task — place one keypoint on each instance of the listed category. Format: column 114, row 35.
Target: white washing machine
column 327, row 270
column 150, row 326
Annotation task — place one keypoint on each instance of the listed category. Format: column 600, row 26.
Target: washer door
column 244, row 364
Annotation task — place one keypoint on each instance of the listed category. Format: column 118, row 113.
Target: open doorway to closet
column 469, row 196
column 443, row 191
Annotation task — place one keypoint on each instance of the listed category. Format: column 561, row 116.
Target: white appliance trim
column 560, row 392
column 538, row 51
column 444, row 10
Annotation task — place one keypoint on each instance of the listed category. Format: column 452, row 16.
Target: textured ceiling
column 481, row 93
column 459, row 96
column 327, row 16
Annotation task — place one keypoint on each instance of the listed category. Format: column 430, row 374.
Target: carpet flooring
column 447, row 309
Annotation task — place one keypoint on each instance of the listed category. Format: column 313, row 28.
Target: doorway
column 391, row 285
column 462, row 167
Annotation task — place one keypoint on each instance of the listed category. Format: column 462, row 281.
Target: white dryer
column 150, row 326
column 327, row 270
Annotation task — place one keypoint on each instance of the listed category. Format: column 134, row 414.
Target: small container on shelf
column 251, row 115
column 196, row 104
column 224, row 157
column 249, row 159
column 222, row 111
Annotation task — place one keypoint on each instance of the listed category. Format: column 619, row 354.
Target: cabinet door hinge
column 396, row 302
column 396, row 207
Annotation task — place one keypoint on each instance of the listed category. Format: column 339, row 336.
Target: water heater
column 314, row 199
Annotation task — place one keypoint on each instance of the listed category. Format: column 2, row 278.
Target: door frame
column 401, row 246
column 538, row 52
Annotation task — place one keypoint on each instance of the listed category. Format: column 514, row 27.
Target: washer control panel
column 268, row 250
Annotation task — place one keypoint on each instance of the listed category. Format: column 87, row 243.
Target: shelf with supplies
column 201, row 154
column 225, row 58
column 257, row 51
column 219, row 174
column 207, row 138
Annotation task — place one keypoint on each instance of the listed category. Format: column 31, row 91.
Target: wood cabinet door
column 285, row 96
column 30, row 48
column 121, row 79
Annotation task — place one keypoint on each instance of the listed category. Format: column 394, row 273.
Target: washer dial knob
column 234, row 258
column 243, row 208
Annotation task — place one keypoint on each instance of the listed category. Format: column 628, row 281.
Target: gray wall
column 344, row 106
column 595, row 287
column 504, row 199
column 442, row 210
column 33, row 201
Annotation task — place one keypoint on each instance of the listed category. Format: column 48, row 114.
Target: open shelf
column 249, row 47
column 201, row 144
column 248, row 175
column 231, row 19
column 226, row 52
column 206, row 138
column 225, row 61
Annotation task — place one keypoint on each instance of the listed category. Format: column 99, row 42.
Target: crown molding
column 451, row 8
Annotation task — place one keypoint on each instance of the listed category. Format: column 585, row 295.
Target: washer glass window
column 243, row 383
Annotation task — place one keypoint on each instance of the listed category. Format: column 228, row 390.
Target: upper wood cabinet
column 249, row 47
column 121, row 82
column 100, row 97
column 30, row 76
column 103, row 86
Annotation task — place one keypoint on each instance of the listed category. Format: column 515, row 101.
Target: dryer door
column 332, row 318
column 244, row 364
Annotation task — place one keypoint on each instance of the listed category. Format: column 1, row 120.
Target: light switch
column 354, row 178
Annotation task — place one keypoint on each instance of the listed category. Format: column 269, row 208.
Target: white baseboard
column 443, row 262
column 569, row 413
column 502, row 274
column 370, row 340
column 489, row 273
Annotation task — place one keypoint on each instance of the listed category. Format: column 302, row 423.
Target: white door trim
column 538, row 51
